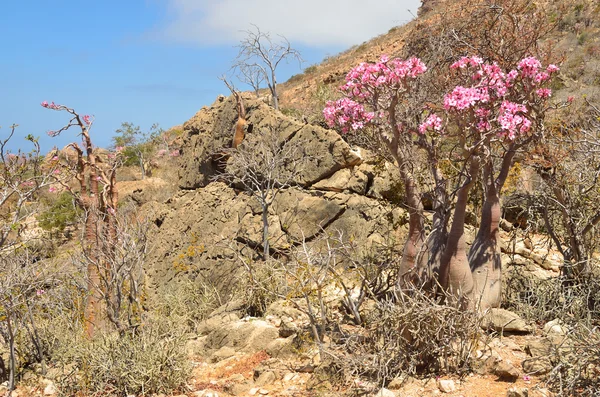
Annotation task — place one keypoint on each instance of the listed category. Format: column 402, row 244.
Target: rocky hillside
column 338, row 189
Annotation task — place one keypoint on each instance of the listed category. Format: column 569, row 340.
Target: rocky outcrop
column 200, row 232
column 210, row 131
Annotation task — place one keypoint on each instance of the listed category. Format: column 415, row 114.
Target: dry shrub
column 576, row 303
column 152, row 359
column 570, row 300
column 187, row 302
column 414, row 336
column 578, row 370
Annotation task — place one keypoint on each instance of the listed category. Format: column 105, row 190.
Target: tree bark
column 455, row 273
column 484, row 255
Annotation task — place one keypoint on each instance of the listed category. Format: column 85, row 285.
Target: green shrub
column 60, row 214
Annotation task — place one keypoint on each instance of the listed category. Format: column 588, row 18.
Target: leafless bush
column 577, row 372
column 151, row 359
column 413, row 336
column 189, row 302
column 567, row 299
column 23, row 281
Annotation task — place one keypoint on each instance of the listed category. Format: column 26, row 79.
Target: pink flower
column 544, row 92
column 40, row 292
column 526, row 378
column 570, row 99
column 119, row 149
column 552, row 68
column 86, row 119
column 433, row 121
column 44, row 104
column 529, row 66
column 56, row 171
column 175, row 153
column 99, row 178
column 52, row 133
column 51, row 189
column 55, row 158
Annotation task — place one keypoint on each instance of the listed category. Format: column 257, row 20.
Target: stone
column 539, row 347
column 50, row 389
column 537, row 365
column 222, row 354
column 506, row 371
column 555, row 327
column 206, row 393
column 517, row 392
column 502, row 320
column 282, row 347
column 266, row 378
column 446, row 385
column 303, row 215
column 383, row 392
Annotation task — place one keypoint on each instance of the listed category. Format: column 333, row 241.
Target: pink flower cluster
column 432, row 122
column 467, row 61
column 462, row 98
column 86, row 119
column 347, row 114
column 364, row 79
column 50, row 105
column 512, row 120
column 491, row 91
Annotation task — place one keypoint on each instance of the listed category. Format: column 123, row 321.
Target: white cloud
column 317, row 23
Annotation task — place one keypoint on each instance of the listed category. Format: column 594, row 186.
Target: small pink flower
column 40, row 292
column 56, row 171
column 86, row 119
column 44, row 104
column 526, row 378
column 52, row 189
column 175, row 153
column 570, row 99
column 119, row 149
column 99, row 178
column 55, row 158
column 111, row 211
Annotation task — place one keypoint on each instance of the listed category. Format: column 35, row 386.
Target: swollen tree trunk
column 416, row 231
column 484, row 255
column 436, row 241
column 455, row 274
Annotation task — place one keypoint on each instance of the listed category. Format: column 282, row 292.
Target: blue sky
column 154, row 61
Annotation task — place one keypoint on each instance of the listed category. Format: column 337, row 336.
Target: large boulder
column 210, row 131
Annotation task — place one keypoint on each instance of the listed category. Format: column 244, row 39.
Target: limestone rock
column 502, row 320
column 266, row 378
column 537, row 365
column 50, row 389
column 446, row 385
column 383, row 392
column 517, row 392
column 303, row 215
column 211, row 130
column 506, row 371
column 222, row 354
